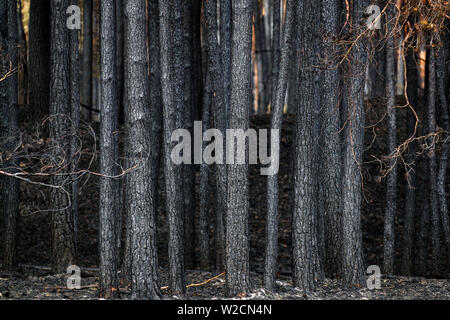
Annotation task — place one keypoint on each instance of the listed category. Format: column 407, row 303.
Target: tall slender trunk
column 63, row 233
column 9, row 128
column 75, row 122
column 306, row 261
column 141, row 200
column 39, row 61
column 236, row 218
column 280, row 74
column 443, row 159
column 86, row 81
column 109, row 153
column 410, row 212
column 188, row 122
column 353, row 264
column 172, row 172
column 391, row 193
column 432, row 165
column 204, row 190
column 331, row 179
column 218, row 111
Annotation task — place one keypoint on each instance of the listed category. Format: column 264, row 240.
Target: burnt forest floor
column 32, row 278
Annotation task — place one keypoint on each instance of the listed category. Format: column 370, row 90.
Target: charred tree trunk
column 9, row 128
column 331, row 152
column 280, row 75
column 174, row 196
column 353, row 263
column 410, row 212
column 443, row 159
column 109, row 153
column 140, row 196
column 391, row 193
column 307, row 267
column 39, row 61
column 236, row 218
column 63, row 228
column 86, row 85
column 432, row 165
column 219, row 112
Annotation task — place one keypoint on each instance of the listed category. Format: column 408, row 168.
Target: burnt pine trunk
column 63, row 236
column 432, row 164
column 331, row 173
column 9, row 129
column 443, row 159
column 172, row 172
column 119, row 55
column 306, row 261
column 188, row 121
column 140, row 196
column 353, row 264
column 86, row 60
column 280, row 74
column 75, row 122
column 391, row 192
column 109, row 152
column 218, row 112
column 204, row 189
column 410, row 212
column 236, row 218
column 38, row 59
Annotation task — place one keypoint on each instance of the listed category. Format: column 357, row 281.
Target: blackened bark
column 63, row 244
column 86, row 85
column 306, row 261
column 140, row 196
column 38, row 59
column 225, row 48
column 432, row 165
column 280, row 73
column 109, row 152
column 409, row 219
column 119, row 55
column 75, row 122
column 353, row 264
column 391, row 192
column 188, row 121
column 443, row 159
column 204, row 190
column 236, row 218
column 9, row 128
column 218, row 111
column 172, row 172
column 331, row 179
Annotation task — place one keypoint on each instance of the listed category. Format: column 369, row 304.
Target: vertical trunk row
column 140, row 196
column 391, row 193
column 109, row 152
column 236, row 218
